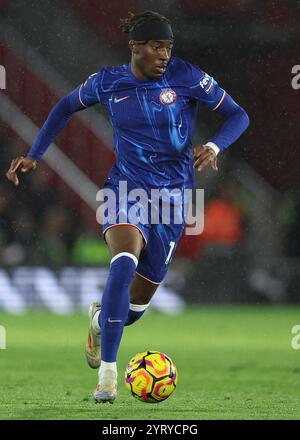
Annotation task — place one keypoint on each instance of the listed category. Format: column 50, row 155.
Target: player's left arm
column 204, row 88
column 236, row 123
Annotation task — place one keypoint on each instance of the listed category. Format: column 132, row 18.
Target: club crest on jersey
column 167, row 97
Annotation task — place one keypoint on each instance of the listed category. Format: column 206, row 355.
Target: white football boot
column 93, row 346
column 106, row 390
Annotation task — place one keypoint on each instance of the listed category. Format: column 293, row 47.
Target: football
column 151, row 376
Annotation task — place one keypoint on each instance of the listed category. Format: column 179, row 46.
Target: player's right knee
column 124, row 239
column 122, row 268
column 124, row 256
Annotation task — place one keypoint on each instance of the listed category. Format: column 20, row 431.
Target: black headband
column 152, row 30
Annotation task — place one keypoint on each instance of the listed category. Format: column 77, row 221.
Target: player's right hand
column 23, row 164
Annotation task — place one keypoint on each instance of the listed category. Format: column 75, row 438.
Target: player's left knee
column 136, row 311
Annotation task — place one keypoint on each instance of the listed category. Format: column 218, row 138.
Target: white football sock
column 107, row 371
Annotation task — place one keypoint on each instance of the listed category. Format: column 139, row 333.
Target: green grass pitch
column 234, row 362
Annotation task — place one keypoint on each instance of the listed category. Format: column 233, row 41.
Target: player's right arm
column 83, row 96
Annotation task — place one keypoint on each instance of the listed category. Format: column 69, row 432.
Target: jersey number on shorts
column 172, row 245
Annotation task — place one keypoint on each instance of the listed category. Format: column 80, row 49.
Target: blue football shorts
column 161, row 239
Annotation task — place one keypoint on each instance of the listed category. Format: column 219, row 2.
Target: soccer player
column 152, row 106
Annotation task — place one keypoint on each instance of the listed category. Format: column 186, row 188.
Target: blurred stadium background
column 51, row 251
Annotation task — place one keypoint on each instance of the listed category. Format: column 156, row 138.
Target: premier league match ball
column 151, row 376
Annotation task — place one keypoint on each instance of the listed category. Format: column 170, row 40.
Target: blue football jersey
column 153, row 121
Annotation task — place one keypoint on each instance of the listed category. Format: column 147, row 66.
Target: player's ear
column 133, row 46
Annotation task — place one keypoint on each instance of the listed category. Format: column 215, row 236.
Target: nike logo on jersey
column 114, row 320
column 116, row 100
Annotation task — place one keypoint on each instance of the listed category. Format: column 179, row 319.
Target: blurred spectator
column 37, row 225
column 6, row 213
column 41, row 194
column 217, row 6
column 56, row 235
column 90, row 249
column 24, row 240
column 289, row 217
column 224, row 220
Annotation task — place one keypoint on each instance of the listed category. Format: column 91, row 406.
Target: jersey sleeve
column 85, row 95
column 204, row 88
column 90, row 91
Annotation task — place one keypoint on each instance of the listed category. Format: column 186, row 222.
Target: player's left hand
column 204, row 155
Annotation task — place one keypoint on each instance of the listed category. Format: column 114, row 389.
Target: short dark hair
column 128, row 24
